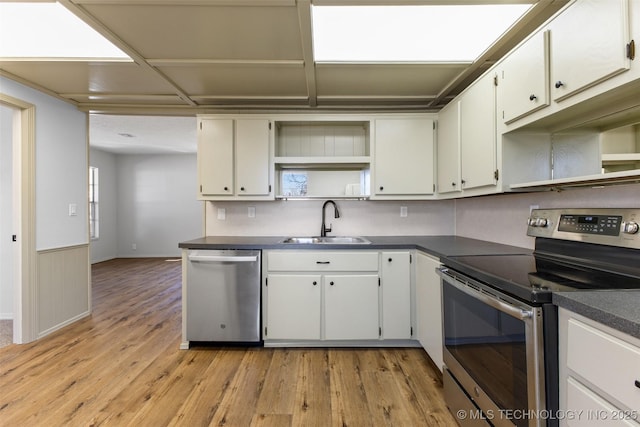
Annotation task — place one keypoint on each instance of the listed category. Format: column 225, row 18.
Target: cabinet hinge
column 266, row 282
column 434, row 125
column 496, row 174
column 410, row 259
column 200, row 125
column 378, row 282
column 379, row 331
column 495, row 80
column 201, row 188
column 269, row 125
column 411, row 331
column 631, row 50
column 265, row 331
column 434, row 188
column 269, row 188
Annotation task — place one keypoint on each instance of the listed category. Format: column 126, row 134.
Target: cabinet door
column 524, row 79
column 478, row 134
column 449, row 148
column 404, row 157
column 293, row 307
column 252, row 157
column 429, row 307
column 215, row 157
column 351, row 307
column 396, row 295
column 588, row 45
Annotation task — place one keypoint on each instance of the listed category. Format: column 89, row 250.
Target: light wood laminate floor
column 122, row 366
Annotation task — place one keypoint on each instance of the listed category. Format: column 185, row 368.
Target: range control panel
column 608, row 225
column 616, row 227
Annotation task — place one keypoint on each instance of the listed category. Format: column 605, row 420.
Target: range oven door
column 494, row 348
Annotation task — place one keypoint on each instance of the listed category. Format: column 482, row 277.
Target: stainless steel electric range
column 500, row 327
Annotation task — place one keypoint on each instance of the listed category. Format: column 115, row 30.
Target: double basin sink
column 327, row 240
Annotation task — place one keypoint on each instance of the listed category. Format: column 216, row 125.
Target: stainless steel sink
column 333, row 240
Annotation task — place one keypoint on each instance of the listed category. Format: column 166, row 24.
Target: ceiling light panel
column 409, row 33
column 49, row 30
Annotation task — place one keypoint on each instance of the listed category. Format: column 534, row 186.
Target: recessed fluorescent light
column 409, row 33
column 49, row 30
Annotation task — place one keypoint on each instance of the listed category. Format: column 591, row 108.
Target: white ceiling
column 142, row 134
column 208, row 56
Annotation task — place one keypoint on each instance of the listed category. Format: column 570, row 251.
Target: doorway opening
column 17, row 137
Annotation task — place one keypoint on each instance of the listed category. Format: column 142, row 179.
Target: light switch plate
column 222, row 214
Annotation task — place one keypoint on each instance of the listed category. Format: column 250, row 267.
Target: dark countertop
column 434, row 245
column 618, row 309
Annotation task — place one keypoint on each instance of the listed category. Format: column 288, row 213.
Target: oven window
column 490, row 346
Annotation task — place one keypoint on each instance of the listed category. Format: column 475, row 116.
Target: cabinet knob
column 532, row 97
column 226, row 188
column 381, row 188
column 463, row 181
column 453, row 184
column 315, row 283
column 559, row 84
column 331, row 283
column 241, row 188
column 637, row 383
column 390, row 259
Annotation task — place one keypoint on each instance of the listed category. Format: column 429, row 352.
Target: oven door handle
column 493, row 301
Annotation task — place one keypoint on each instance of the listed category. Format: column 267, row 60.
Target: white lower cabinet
column 294, row 306
column 429, row 307
column 336, row 296
column 395, row 269
column 351, row 307
column 599, row 373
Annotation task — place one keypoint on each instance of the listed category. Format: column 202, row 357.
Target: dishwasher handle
column 223, row 258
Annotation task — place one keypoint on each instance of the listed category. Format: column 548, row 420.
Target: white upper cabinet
column 523, row 78
column 252, row 157
column 404, row 157
column 478, row 134
column 215, row 157
column 449, row 148
column 588, row 45
column 234, row 159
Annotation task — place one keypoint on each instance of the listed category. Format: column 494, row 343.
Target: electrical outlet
column 134, row 246
column 222, row 214
column 403, row 211
column 251, row 211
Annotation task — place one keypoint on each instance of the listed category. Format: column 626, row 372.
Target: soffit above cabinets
column 201, row 56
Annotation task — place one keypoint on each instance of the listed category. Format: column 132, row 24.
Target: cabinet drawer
column 592, row 410
column 616, row 374
column 322, row 261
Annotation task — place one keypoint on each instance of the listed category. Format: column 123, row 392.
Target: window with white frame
column 93, row 203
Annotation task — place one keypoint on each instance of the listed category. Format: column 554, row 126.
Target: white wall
column 105, row 247
column 156, row 204
column 6, row 213
column 502, row 218
column 303, row 218
column 61, row 167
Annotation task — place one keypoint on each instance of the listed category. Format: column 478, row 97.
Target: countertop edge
column 607, row 307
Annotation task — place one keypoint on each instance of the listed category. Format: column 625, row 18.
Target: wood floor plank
column 122, row 366
column 313, row 391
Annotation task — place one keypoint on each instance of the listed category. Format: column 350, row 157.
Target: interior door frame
column 25, row 268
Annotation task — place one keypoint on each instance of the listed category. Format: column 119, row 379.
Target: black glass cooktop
column 533, row 278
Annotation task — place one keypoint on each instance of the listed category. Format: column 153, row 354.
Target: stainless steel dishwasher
column 223, row 296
